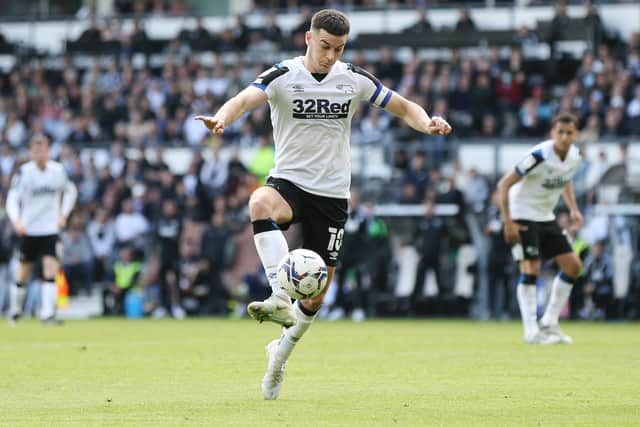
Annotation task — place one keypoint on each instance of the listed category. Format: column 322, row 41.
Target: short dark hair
column 38, row 138
column 565, row 117
column 332, row 21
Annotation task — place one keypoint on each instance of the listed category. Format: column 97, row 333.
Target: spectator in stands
column 374, row 126
column 460, row 102
column 167, row 233
column 613, row 123
column 77, row 260
column 353, row 265
column 500, row 263
column 126, row 274
column 591, row 132
column 465, row 22
column 476, row 191
column 304, row 23
column 633, row 112
column 7, row 241
column 418, row 173
column 422, row 24
column 130, row 226
column 102, row 238
column 387, row 66
column 489, row 126
column 158, row 8
column 15, row 131
column 179, row 8
column 91, row 35
column 429, row 234
column 271, row 31
column 558, row 26
column 218, row 253
column 192, row 283
column 139, row 38
column 599, row 283
column 7, row 160
column 240, row 32
column 525, row 38
column 593, row 22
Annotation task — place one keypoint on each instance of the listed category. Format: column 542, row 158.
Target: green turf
column 390, row 373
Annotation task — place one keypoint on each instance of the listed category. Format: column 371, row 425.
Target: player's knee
column 50, row 267
column 314, row 304
column 530, row 267
column 259, row 207
column 572, row 269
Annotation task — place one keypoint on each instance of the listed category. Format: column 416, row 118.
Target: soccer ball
column 302, row 274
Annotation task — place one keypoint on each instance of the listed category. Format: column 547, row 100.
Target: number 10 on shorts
column 335, row 238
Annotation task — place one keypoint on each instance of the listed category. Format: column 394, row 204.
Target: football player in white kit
column 312, row 99
column 528, row 196
column 38, row 203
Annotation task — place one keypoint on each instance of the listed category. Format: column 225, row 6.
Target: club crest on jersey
column 295, row 88
column 553, row 183
column 42, row 191
column 320, row 109
column 347, row 89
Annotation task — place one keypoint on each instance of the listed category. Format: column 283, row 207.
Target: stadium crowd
column 186, row 238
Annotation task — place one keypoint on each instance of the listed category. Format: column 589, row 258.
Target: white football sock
column 527, row 301
column 272, row 247
column 560, row 291
column 292, row 335
column 49, row 296
column 16, row 298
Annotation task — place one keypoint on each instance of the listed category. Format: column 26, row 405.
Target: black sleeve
column 270, row 75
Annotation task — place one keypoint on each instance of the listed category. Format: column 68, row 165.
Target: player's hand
column 576, row 219
column 438, row 126
column 20, row 229
column 214, row 125
column 512, row 232
column 62, row 222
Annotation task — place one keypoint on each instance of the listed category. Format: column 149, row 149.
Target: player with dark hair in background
column 528, row 195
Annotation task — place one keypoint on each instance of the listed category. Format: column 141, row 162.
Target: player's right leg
column 561, row 287
column 49, row 290
column 267, row 209
column 17, row 289
column 527, row 298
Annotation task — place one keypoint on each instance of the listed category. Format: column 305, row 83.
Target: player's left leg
column 322, row 232
column 17, row 291
column 570, row 267
column 49, row 291
column 279, row 350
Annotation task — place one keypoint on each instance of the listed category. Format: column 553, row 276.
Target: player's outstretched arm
column 574, row 212
column 511, row 229
column 245, row 101
column 416, row 116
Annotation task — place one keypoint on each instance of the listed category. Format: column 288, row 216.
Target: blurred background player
column 528, row 196
column 39, row 202
column 313, row 99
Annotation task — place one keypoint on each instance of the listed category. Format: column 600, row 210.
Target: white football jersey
column 312, row 122
column 544, row 177
column 38, row 198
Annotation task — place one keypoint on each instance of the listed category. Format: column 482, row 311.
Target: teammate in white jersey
column 313, row 99
column 38, row 204
column 528, row 196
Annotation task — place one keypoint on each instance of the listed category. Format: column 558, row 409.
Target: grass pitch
column 389, row 373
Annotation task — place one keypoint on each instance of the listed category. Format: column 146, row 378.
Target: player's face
column 39, row 151
column 323, row 50
column 564, row 134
